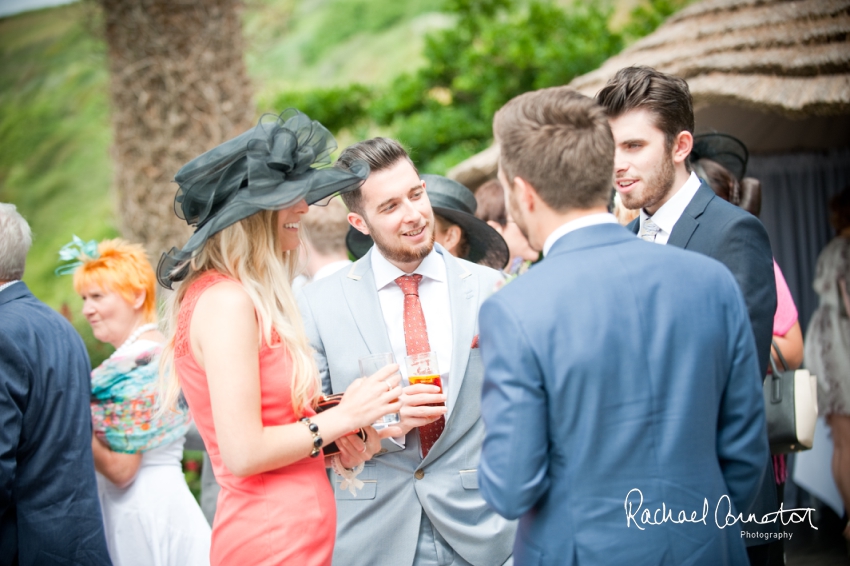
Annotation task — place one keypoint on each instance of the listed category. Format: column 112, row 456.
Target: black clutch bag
column 328, row 402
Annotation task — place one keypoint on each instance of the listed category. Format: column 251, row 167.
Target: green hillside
column 54, row 106
column 54, row 142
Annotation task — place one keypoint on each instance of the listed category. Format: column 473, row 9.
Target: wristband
column 349, row 477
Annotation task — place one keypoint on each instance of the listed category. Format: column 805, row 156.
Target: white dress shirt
column 573, row 225
column 434, row 297
column 670, row 212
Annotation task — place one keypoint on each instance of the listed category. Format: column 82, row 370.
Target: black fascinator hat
column 728, row 151
column 272, row 166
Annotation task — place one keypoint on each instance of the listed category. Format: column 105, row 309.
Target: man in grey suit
column 419, row 504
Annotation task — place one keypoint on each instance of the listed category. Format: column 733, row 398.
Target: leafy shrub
column 335, row 108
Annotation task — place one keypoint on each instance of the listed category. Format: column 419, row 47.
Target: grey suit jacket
column 380, row 525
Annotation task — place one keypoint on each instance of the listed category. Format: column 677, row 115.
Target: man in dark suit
column 605, row 406
column 49, row 509
column 652, row 119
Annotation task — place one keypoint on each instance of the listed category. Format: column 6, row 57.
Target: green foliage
column 193, row 461
column 650, row 14
column 495, row 52
column 335, row 108
column 54, row 145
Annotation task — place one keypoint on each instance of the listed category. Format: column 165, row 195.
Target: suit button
column 382, row 451
column 419, row 474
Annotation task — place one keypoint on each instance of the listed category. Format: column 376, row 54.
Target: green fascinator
column 77, row 252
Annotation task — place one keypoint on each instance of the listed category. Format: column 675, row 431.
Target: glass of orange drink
column 422, row 368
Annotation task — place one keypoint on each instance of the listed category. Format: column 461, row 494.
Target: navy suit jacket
column 49, row 508
column 737, row 239
column 618, row 365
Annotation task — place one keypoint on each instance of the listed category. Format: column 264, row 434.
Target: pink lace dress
column 284, row 516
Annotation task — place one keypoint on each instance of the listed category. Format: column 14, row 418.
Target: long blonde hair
column 249, row 251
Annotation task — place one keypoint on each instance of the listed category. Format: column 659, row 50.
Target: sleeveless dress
column 283, row 516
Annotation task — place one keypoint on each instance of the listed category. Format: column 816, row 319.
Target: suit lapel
column 689, row 221
column 463, row 299
column 358, row 285
column 463, row 302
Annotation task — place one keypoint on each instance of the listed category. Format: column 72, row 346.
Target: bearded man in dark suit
column 652, row 119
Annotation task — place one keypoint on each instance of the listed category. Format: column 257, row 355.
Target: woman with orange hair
column 149, row 515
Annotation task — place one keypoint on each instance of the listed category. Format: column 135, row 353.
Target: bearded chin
column 657, row 187
column 403, row 254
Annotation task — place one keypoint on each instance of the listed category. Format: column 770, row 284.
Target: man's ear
column 526, row 193
column 682, row 146
column 452, row 236
column 358, row 222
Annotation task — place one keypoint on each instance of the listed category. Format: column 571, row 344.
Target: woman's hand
column 353, row 451
column 368, row 399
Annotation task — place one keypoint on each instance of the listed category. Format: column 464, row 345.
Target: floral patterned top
column 123, row 402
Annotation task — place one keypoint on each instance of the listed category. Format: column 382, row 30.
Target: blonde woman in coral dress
column 239, row 352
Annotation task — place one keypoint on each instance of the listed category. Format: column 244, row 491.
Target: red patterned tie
column 416, row 340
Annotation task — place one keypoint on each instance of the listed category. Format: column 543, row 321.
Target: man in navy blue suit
column 622, row 404
column 652, row 119
column 49, row 510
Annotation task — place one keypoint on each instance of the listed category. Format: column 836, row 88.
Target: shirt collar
column 385, row 273
column 9, row 284
column 572, row 225
column 670, row 212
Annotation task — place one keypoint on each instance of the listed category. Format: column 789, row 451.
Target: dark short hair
column 380, row 154
column 559, row 141
column 491, row 202
column 667, row 97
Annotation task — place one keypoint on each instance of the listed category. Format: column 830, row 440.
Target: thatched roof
column 784, row 59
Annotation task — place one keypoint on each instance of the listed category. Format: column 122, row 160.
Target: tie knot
column 649, row 230
column 409, row 284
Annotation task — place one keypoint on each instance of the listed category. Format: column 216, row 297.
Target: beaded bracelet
column 314, row 430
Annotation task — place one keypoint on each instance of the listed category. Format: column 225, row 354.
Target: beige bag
column 791, row 407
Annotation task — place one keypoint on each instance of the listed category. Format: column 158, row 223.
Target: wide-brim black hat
column 270, row 167
column 728, row 151
column 457, row 204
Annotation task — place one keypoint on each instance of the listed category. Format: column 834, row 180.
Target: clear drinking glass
column 422, row 368
column 368, row 366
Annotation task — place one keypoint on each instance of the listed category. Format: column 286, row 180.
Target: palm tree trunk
column 179, row 88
